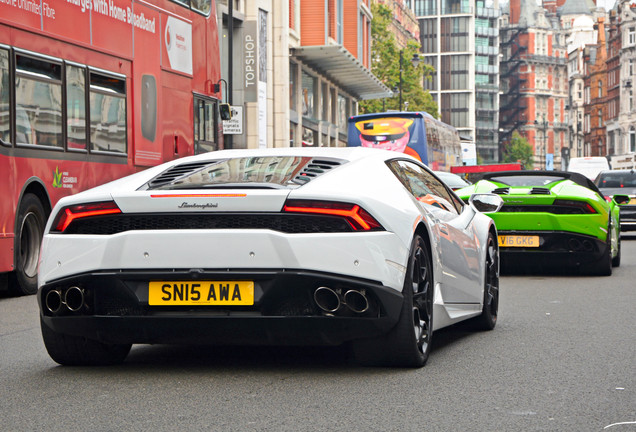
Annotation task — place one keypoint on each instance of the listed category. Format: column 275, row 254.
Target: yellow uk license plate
column 201, row 293
column 518, row 241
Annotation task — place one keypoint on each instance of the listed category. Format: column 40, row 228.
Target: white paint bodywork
column 457, row 241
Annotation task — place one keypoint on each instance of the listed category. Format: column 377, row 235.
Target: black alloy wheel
column 488, row 318
column 408, row 343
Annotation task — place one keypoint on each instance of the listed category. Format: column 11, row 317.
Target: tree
column 385, row 65
column 519, row 151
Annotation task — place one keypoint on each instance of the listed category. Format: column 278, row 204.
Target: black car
column 622, row 182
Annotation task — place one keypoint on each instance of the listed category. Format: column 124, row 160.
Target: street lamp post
column 415, row 61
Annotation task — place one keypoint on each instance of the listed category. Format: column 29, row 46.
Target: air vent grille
column 176, row 172
column 315, row 168
column 539, row 191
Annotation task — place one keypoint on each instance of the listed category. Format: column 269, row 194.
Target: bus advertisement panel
column 415, row 133
column 91, row 91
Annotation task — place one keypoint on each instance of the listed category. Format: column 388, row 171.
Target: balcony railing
column 484, row 12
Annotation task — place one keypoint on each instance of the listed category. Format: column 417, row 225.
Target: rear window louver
column 501, row 191
column 539, row 191
column 315, row 168
column 176, row 172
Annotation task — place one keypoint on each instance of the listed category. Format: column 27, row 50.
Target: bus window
column 202, row 6
column 5, row 132
column 38, row 94
column 76, row 107
column 107, row 101
column 205, row 125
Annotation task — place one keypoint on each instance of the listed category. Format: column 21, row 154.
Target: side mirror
column 621, row 199
column 485, row 203
column 226, row 111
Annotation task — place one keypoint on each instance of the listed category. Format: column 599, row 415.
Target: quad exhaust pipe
column 330, row 300
column 72, row 298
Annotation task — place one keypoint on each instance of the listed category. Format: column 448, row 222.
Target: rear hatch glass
column 269, row 172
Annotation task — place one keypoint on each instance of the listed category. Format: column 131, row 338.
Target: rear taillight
column 68, row 214
column 356, row 216
column 573, row 207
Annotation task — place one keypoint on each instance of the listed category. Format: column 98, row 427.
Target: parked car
column 294, row 246
column 452, row 180
column 622, row 182
column 558, row 216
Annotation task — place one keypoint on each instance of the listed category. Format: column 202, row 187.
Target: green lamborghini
column 554, row 216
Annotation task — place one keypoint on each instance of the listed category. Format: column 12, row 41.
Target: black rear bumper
column 563, row 248
column 116, row 310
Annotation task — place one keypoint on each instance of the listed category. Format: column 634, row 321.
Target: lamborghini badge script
column 199, row 206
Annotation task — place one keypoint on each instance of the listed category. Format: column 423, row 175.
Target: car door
column 453, row 234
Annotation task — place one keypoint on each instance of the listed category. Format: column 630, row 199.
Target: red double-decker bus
column 91, row 90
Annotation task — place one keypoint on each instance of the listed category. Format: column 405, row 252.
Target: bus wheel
column 28, row 238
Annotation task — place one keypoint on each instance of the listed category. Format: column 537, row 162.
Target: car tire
column 616, row 261
column 28, row 239
column 488, row 318
column 408, row 344
column 604, row 264
column 71, row 350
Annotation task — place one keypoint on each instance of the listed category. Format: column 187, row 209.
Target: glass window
column 454, row 72
column 293, row 86
column 343, row 112
column 308, row 97
column 205, row 125
column 107, row 102
column 428, row 35
column 324, row 101
column 310, row 137
column 275, row 170
column 203, row 6
column 5, row 131
column 424, row 186
column 425, row 7
column 454, row 34
column 38, row 93
column 76, row 107
column 430, row 81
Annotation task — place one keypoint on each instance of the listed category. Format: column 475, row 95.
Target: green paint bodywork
column 594, row 225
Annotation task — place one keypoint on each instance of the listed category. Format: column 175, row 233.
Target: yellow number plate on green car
column 201, row 293
column 518, row 241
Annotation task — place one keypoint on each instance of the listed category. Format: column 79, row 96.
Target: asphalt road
column 562, row 358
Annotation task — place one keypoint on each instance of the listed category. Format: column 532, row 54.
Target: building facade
column 295, row 70
column 534, row 98
column 460, row 40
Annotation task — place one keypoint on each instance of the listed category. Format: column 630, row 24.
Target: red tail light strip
column 234, row 195
column 67, row 215
column 358, row 218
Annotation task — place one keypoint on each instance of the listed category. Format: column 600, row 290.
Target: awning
column 341, row 67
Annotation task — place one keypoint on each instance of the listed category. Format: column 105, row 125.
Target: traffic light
column 225, row 111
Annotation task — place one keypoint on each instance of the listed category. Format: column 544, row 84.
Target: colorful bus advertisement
column 417, row 134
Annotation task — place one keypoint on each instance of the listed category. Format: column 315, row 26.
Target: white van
column 588, row 166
